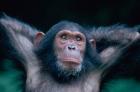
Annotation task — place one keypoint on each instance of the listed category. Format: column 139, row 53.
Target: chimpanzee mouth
column 71, row 61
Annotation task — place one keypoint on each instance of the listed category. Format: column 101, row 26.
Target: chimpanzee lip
column 71, row 61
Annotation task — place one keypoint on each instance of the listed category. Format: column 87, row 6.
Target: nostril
column 71, row 47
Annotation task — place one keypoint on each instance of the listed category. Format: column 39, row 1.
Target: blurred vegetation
column 11, row 77
column 122, row 85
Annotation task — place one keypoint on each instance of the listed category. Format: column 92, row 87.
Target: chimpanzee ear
column 38, row 38
column 93, row 43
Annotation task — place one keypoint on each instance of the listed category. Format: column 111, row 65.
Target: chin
column 69, row 68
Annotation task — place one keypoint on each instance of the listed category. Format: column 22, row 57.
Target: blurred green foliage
column 10, row 77
column 122, row 85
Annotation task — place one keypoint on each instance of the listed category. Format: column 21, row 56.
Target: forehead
column 67, row 31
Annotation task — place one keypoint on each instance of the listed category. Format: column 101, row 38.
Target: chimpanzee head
column 65, row 51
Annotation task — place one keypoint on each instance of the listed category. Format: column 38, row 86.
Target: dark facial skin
column 69, row 49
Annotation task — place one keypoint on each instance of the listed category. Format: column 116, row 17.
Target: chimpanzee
column 65, row 59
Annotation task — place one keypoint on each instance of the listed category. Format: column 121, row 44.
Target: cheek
column 82, row 47
column 59, row 44
column 59, row 50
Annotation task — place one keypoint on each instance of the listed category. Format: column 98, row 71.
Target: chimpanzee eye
column 78, row 38
column 64, row 36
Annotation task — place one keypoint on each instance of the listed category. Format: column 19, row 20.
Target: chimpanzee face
column 69, row 47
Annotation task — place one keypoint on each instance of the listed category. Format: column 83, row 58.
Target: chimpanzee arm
column 112, row 42
column 19, row 27
column 16, row 46
column 114, row 36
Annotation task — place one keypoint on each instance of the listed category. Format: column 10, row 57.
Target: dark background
column 44, row 13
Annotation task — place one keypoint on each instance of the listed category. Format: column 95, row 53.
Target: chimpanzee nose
column 71, row 47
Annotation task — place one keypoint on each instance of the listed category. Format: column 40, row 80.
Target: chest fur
column 87, row 84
